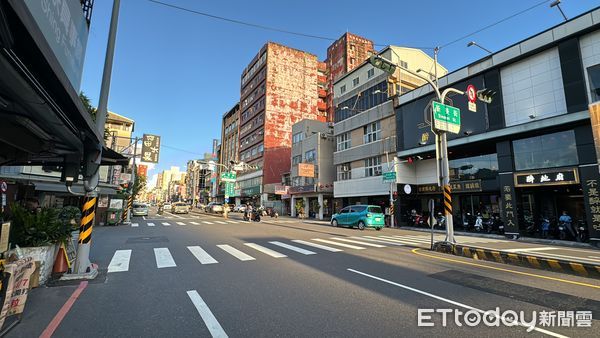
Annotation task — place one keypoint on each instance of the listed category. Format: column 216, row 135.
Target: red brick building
column 280, row 87
column 344, row 55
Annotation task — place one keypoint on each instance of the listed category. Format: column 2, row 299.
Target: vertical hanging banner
column 150, row 148
column 142, row 170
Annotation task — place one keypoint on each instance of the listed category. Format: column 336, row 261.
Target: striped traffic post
column 448, row 210
column 88, row 213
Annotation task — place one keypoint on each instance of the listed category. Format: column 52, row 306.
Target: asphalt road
column 196, row 275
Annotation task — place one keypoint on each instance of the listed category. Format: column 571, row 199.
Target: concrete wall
column 590, row 56
column 366, row 186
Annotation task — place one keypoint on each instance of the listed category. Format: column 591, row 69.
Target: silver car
column 140, row 209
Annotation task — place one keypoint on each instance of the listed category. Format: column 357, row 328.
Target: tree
column 88, row 105
column 139, row 185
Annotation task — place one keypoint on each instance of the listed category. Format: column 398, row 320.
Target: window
column 473, row 168
column 261, row 148
column 370, row 73
column 345, row 210
column 296, row 159
column 546, row 151
column 594, row 77
column 297, row 137
column 372, row 131
column 358, row 208
column 352, row 46
column 343, row 141
column 375, row 210
column 343, row 89
column 356, row 81
column 403, row 64
column 373, row 166
column 344, row 172
column 310, row 155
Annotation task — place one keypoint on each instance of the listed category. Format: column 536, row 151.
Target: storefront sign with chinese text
column 509, row 203
column 458, row 186
column 302, row 188
column 590, row 184
column 150, row 148
column 17, row 287
column 306, row 170
column 281, row 189
column 554, row 177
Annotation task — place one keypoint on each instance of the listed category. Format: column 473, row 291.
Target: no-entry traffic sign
column 3, row 186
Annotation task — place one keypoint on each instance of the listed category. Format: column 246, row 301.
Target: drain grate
column 147, row 239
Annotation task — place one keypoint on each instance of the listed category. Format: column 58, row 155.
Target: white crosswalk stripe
column 202, row 255
column 358, row 242
column 293, row 248
column 220, row 222
column 206, row 222
column 180, row 223
column 406, row 240
column 264, row 250
column 315, row 245
column 195, row 223
column 232, row 222
column 236, row 253
column 150, row 224
column 378, row 241
column 339, row 244
column 163, row 258
column 388, row 240
column 166, row 224
column 120, row 261
column 135, row 225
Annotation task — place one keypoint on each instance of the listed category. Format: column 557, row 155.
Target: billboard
column 306, row 170
column 142, row 170
column 150, row 148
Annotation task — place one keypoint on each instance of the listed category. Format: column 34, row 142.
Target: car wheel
column 361, row 225
column 334, row 223
column 378, row 229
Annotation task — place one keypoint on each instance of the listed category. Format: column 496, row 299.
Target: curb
column 529, row 261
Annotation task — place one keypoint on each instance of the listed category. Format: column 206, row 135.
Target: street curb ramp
column 524, row 260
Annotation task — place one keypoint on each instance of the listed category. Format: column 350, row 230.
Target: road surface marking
column 195, row 223
column 293, row 248
column 120, row 261
column 144, row 217
column 406, row 240
column 264, row 250
column 212, row 324
column 236, row 253
column 150, row 224
column 557, row 256
column 166, row 224
column 594, row 257
column 64, row 310
column 202, row 255
column 133, row 225
column 315, row 245
column 180, row 223
column 358, row 242
column 206, row 222
column 233, row 222
column 415, row 251
column 163, row 258
column 177, row 216
column 338, row 244
column 379, row 241
column 394, row 240
column 449, row 301
column 220, row 222
column 530, row 249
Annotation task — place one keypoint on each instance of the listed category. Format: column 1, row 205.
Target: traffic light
column 383, row 64
column 485, row 95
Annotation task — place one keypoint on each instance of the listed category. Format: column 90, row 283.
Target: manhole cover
column 146, row 239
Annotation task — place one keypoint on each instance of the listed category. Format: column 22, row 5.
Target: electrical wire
column 182, row 150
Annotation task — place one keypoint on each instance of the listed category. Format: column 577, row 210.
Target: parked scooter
column 582, row 233
column 440, row 221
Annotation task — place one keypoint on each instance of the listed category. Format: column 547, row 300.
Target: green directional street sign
column 229, row 189
column 228, row 176
column 446, row 118
column 390, row 176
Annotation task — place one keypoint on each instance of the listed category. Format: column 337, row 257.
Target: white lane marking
column 530, row 249
column 594, row 257
column 177, row 216
column 180, row 223
column 133, row 225
column 293, row 248
column 220, row 222
column 144, row 217
column 315, row 245
column 378, row 241
column 206, row 222
column 405, row 240
column 264, row 250
column 163, row 258
column 202, row 255
column 166, row 224
column 120, row 261
column 212, row 324
column 236, row 253
column 195, row 223
column 338, row 244
column 233, row 222
column 358, row 242
column 150, row 224
column 446, row 300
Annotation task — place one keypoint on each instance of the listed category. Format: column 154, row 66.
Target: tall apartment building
column 120, row 130
column 229, row 135
column 279, row 87
column 345, row 54
column 365, row 125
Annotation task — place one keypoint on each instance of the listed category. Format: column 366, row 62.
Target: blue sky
column 176, row 73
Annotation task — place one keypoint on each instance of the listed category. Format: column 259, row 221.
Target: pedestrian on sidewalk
column 567, row 221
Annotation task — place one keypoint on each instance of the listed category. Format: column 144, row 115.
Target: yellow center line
column 506, row 270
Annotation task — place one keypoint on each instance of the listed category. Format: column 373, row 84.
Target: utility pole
column 82, row 262
column 131, row 183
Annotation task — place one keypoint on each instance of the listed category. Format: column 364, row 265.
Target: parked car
column 362, row 216
column 140, row 209
column 167, row 207
column 214, row 207
column 180, row 208
column 239, row 208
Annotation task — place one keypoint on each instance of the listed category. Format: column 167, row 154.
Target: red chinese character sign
column 150, row 148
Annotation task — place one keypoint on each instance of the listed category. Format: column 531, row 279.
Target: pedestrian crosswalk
column 247, row 252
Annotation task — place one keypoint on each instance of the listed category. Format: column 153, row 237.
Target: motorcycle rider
column 567, row 222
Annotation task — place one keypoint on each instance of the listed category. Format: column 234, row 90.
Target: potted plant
column 38, row 234
column 300, row 208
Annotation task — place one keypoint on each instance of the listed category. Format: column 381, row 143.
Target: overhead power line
column 182, row 150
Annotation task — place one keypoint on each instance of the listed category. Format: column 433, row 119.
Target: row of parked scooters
column 256, row 213
column 469, row 222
